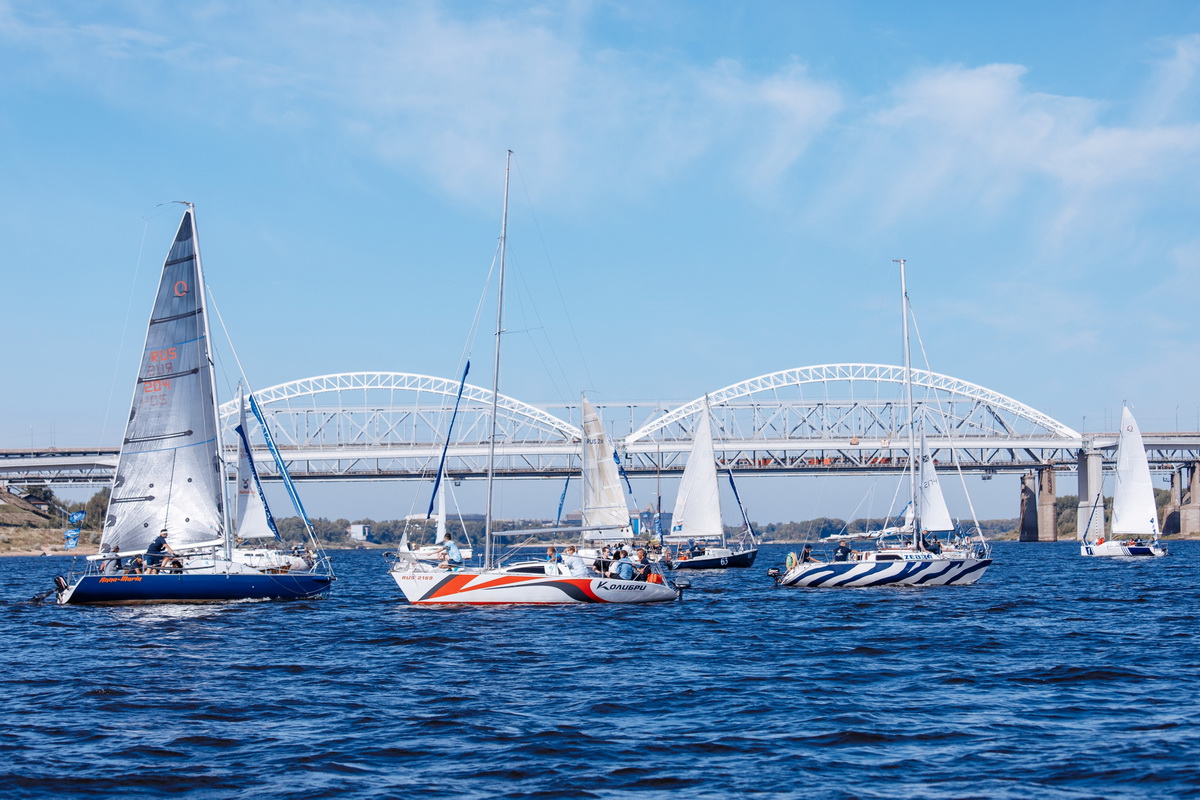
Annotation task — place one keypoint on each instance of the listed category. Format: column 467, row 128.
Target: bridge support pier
column 1039, row 512
column 1189, row 506
column 1090, row 512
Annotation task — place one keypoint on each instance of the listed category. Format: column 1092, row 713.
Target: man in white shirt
column 575, row 563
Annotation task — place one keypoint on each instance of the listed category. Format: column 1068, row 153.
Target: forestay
column 169, row 472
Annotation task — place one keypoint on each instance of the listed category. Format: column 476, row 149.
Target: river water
column 1055, row 677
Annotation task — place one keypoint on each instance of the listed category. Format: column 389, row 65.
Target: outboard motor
column 680, row 584
column 60, row 584
column 774, row 574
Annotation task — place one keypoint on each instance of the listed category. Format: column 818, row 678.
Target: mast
column 491, row 473
column 912, row 411
column 212, row 383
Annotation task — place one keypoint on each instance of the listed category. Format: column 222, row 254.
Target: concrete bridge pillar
column 1039, row 514
column 1090, row 519
column 1189, row 508
column 1170, row 520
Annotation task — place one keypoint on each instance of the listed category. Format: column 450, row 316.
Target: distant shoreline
column 91, row 550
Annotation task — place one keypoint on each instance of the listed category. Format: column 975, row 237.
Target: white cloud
column 444, row 95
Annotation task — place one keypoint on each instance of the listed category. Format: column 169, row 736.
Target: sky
column 701, row 193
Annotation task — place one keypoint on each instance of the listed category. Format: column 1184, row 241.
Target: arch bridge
column 831, row 418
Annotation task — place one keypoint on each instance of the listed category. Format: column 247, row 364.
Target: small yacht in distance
column 1134, row 529
column 697, row 528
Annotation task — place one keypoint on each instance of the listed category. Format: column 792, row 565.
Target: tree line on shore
column 470, row 527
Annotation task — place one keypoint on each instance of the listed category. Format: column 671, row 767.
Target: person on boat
column 844, row 551
column 450, row 555
column 552, row 556
column 664, row 558
column 113, row 564
column 154, row 553
column 575, row 563
column 641, row 565
column 603, row 561
column 932, row 544
column 806, row 556
column 622, row 568
column 135, row 566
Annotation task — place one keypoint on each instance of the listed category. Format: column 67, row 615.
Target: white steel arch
column 278, row 396
column 862, row 373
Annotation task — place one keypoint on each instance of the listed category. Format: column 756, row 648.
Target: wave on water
column 1050, row 678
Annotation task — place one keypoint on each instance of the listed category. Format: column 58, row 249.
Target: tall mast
column 491, row 474
column 212, row 382
column 912, row 411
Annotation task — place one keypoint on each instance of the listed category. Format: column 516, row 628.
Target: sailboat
column 1134, row 529
column 525, row 583
column 929, row 551
column 171, row 475
column 697, row 528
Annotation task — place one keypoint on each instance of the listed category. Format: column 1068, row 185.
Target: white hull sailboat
column 527, row 583
column 1134, row 530
column 928, row 551
column 697, row 528
column 171, row 476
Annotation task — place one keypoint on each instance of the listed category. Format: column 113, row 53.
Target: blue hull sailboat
column 167, row 536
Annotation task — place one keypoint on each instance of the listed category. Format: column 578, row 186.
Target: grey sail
column 169, row 470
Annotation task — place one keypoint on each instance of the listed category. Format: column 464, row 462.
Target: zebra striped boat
column 900, row 566
column 928, row 550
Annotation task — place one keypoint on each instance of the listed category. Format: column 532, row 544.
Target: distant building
column 38, row 503
column 359, row 533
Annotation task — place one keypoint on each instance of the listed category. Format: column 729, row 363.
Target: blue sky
column 703, row 193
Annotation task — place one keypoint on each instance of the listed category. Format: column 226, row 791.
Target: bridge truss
column 832, row 418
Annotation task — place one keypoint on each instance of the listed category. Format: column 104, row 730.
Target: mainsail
column 253, row 516
column 169, row 472
column 1134, row 511
column 698, row 504
column 934, row 514
column 603, row 498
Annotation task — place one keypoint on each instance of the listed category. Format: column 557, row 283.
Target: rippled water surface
column 1056, row 677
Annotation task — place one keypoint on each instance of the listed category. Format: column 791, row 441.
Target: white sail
column 1134, row 510
column 169, row 472
column 698, row 505
column 253, row 520
column 933, row 512
column 603, row 497
column 441, row 515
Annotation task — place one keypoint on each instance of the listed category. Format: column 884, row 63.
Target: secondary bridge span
column 832, row 418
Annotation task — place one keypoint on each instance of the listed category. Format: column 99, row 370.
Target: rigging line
column 228, row 339
column 527, row 295
column 112, row 387
column 947, row 418
column 554, row 277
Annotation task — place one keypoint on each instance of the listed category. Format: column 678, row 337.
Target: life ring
column 792, row 561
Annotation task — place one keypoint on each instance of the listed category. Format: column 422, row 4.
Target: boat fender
column 792, row 561
column 60, row 583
